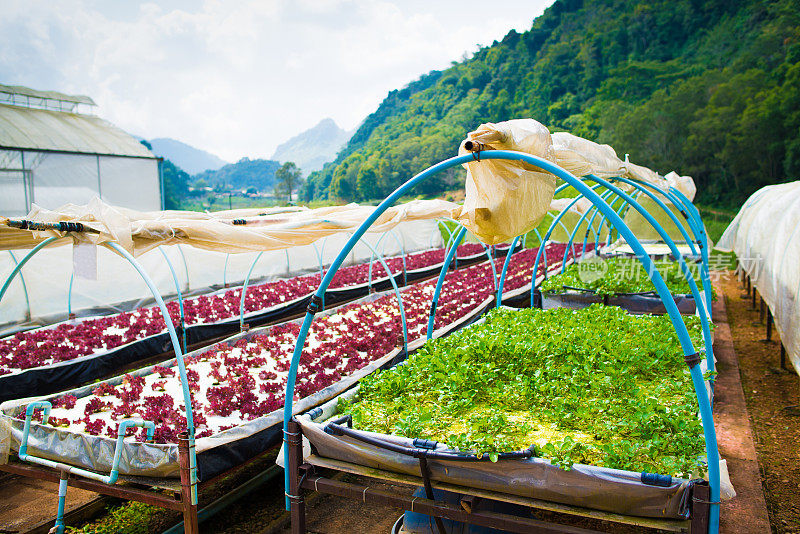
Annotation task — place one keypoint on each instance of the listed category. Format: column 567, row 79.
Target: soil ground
column 772, row 395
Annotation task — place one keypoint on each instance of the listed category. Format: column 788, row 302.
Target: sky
column 237, row 78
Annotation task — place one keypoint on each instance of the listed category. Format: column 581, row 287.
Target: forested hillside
column 709, row 88
column 244, row 174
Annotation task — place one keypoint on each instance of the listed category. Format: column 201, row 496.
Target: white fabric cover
column 765, row 235
column 119, row 287
column 505, row 198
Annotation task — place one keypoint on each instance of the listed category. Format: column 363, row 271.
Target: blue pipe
column 542, row 243
column 504, row 271
column 187, row 396
column 704, row 321
column 397, row 294
column 603, row 220
column 604, row 196
column 18, row 267
column 178, row 290
column 25, row 286
column 443, row 273
column 597, row 231
column 712, row 452
column 185, row 266
column 65, row 469
column 703, row 236
column 556, row 220
column 244, row 291
column 225, row 271
column 112, row 477
column 440, row 282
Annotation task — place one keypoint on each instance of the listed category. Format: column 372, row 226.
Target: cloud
column 238, row 78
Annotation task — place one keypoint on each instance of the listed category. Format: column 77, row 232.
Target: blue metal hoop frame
column 712, row 452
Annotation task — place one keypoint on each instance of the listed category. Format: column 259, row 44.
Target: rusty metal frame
column 302, row 477
column 177, row 500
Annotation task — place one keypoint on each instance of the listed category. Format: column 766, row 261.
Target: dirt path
column 768, row 390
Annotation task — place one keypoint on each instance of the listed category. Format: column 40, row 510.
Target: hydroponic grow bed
column 601, row 401
column 66, row 354
column 617, row 281
column 238, row 416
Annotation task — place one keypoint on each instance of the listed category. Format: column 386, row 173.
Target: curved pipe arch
column 25, row 287
column 701, row 304
column 180, row 296
column 21, row 263
column 712, row 452
column 556, row 220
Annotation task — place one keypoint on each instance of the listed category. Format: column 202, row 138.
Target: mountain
column 314, row 147
column 245, row 173
column 190, row 159
column 709, row 88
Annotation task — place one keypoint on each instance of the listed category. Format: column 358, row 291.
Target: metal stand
column 302, row 476
column 179, row 501
column 188, row 486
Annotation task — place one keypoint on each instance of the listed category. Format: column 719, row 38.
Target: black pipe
column 338, row 430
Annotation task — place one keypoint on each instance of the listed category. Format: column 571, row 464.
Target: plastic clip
column 314, row 305
column 692, row 359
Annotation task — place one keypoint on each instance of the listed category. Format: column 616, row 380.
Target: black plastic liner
column 64, row 375
column 636, row 303
column 72, row 373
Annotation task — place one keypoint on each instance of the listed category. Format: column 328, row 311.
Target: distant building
column 53, row 150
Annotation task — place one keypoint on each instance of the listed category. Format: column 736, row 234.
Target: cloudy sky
column 237, row 78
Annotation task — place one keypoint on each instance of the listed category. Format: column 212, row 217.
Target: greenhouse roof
column 58, row 131
column 49, row 95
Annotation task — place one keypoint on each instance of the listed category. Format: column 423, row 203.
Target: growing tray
column 216, row 453
column 636, row 303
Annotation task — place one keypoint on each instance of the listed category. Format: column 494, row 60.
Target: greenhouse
column 550, row 344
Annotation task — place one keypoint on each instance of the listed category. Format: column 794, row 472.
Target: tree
column 176, row 185
column 287, row 178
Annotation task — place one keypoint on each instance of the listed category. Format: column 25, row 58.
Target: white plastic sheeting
column 51, row 179
column 506, row 198
column 119, row 287
column 765, row 235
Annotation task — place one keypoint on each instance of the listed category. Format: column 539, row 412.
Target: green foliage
column 595, row 386
column 245, row 173
column 622, row 275
column 130, row 518
column 710, row 89
column 176, row 185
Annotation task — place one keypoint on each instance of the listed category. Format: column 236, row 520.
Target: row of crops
column 237, row 384
column 601, row 401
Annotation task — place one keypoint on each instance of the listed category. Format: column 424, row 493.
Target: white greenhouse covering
column 118, row 287
column 52, row 156
column 765, row 235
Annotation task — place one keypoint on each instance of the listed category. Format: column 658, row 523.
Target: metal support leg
column 700, row 508
column 769, row 325
column 293, row 441
column 188, row 487
column 783, row 356
column 753, row 300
